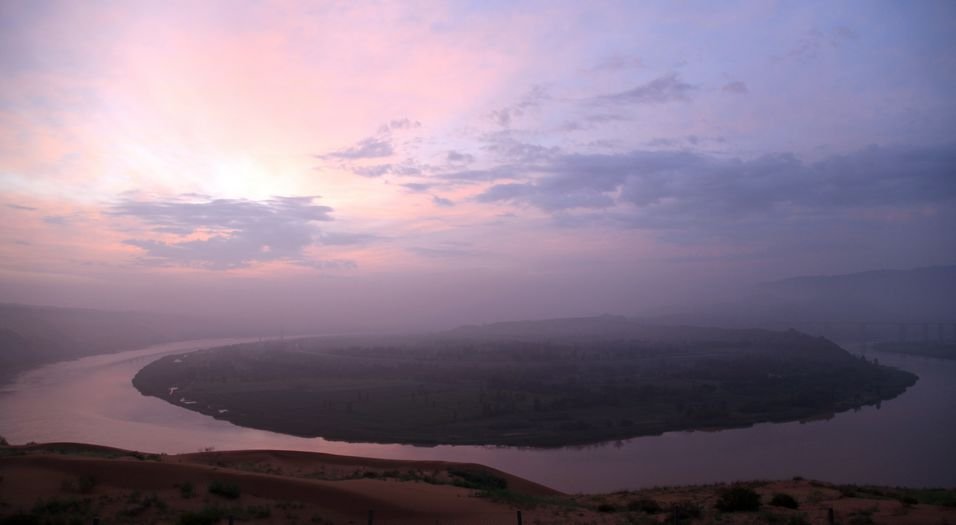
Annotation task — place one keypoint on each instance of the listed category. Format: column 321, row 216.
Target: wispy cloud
column 815, row 41
column 457, row 157
column 532, row 99
column 442, row 202
column 736, row 87
column 700, row 192
column 443, row 252
column 225, row 233
column 617, row 63
column 667, row 88
column 56, row 220
column 369, row 148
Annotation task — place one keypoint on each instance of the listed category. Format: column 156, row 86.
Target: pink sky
column 618, row 154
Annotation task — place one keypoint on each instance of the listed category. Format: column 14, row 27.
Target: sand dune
column 61, row 482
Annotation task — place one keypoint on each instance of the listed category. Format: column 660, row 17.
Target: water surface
column 907, row 441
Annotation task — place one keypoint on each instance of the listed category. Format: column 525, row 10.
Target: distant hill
column 603, row 327
column 921, row 294
column 836, row 305
column 32, row 335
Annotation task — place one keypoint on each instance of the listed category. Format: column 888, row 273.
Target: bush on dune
column 206, row 516
column 226, row 490
column 781, row 499
column 738, row 499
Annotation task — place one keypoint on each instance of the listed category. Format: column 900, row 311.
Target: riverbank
column 61, row 480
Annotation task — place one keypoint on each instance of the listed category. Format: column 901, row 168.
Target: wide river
column 907, row 441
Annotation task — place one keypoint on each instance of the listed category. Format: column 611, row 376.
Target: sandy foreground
column 76, row 483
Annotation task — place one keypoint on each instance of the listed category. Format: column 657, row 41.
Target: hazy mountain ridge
column 32, row 335
column 836, row 306
column 610, row 327
column 919, row 294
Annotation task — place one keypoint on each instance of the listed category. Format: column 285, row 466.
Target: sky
column 421, row 164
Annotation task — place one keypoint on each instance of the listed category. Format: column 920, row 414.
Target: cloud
column 455, row 157
column 697, row 192
column 845, row 33
column 532, row 99
column 736, row 87
column 814, row 42
column 399, row 124
column 668, row 88
column 19, row 207
column 378, row 146
column 444, row 252
column 417, row 187
column 369, row 148
column 505, row 147
column 405, row 169
column 56, row 220
column 590, row 121
column 225, row 233
column 345, row 238
column 617, row 63
column 483, row 175
column 442, row 202
column 372, row 171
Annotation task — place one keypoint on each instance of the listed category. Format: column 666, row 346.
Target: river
column 906, row 441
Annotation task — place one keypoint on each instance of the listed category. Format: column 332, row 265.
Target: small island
column 542, row 384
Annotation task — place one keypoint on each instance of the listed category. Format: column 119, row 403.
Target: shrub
column 186, row 490
column 847, row 492
column 70, row 507
column 81, row 485
column 478, row 480
column 206, row 516
column 137, row 503
column 907, row 500
column 784, row 500
column 225, row 490
column 85, row 484
column 648, row 505
column 20, row 519
column 4, row 442
column 258, row 511
column 606, row 507
column 685, row 510
column 738, row 499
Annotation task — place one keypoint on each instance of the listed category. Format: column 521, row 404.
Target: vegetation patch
column 477, row 479
column 206, row 516
column 684, row 511
column 784, row 500
column 738, row 498
column 646, row 505
column 61, row 506
column 186, row 490
column 224, row 489
column 481, row 389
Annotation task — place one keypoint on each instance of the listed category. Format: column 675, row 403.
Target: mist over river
column 906, row 441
